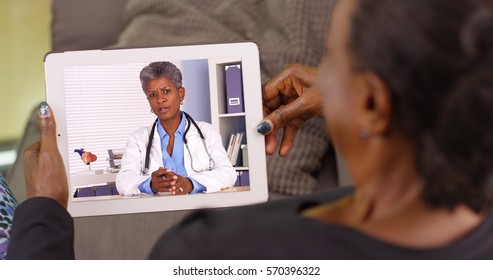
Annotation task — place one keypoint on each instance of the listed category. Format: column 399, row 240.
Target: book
column 236, row 148
column 229, row 148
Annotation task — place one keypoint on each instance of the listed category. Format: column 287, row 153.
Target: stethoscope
column 212, row 163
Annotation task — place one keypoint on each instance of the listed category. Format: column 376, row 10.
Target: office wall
column 196, row 82
column 24, row 40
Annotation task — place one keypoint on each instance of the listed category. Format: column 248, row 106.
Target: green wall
column 24, row 40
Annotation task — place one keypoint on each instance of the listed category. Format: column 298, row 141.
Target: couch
column 93, row 24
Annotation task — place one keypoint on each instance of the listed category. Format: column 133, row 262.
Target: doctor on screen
column 175, row 154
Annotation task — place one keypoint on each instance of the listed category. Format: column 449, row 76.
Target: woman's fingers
column 163, row 179
column 183, row 186
column 47, row 126
column 43, row 165
column 289, row 82
column 290, row 117
column 289, row 99
column 282, row 116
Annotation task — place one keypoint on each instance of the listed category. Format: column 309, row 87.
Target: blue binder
column 244, row 178
column 234, row 89
column 85, row 192
column 103, row 190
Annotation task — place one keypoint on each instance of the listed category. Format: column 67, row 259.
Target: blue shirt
column 177, row 161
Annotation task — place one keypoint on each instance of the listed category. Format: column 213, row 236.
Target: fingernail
column 264, row 127
column 44, row 109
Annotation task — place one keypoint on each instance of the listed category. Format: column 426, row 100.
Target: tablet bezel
column 246, row 52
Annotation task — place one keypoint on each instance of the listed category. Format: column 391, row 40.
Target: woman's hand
column 164, row 180
column 289, row 99
column 43, row 165
column 183, row 186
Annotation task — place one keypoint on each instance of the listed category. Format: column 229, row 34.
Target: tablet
column 98, row 101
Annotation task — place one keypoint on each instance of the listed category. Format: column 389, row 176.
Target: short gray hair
column 160, row 69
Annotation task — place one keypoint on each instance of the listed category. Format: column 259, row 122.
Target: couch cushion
column 88, row 24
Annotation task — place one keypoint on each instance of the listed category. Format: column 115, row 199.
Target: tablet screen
column 104, row 119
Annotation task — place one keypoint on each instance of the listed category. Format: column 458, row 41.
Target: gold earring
column 181, row 102
column 152, row 111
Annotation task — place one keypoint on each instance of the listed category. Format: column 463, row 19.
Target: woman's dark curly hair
column 436, row 57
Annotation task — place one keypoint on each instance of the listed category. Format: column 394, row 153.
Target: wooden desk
column 236, row 189
column 106, row 197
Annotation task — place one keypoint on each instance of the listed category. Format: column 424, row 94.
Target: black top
column 273, row 230
column 42, row 229
column 276, row 230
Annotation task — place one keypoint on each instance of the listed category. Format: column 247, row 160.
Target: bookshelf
column 227, row 123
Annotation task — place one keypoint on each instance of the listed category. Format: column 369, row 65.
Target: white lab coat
column 221, row 176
